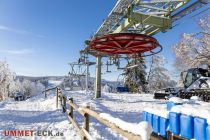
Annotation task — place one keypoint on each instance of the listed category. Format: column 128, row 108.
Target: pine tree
column 135, row 73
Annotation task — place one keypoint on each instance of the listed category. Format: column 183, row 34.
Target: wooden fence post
column 86, row 122
column 60, row 96
column 56, row 97
column 64, row 104
column 71, row 108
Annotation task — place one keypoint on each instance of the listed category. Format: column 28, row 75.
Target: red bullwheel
column 124, row 43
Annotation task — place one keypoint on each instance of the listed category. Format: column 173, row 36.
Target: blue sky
column 40, row 37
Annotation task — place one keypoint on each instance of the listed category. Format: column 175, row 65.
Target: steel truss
column 146, row 16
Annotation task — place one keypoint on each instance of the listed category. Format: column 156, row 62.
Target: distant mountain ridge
column 33, row 78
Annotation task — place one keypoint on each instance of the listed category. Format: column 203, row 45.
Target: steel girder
column 146, row 16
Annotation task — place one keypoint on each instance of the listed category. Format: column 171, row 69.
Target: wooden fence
column 86, row 112
column 50, row 89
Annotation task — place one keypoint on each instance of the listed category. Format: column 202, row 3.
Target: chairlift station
column 128, row 29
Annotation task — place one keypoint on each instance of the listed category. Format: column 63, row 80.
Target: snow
column 159, row 110
column 176, row 100
column 55, row 82
column 192, row 107
column 143, row 128
column 123, row 106
column 38, row 113
column 176, row 109
column 195, row 98
column 86, row 104
column 199, row 109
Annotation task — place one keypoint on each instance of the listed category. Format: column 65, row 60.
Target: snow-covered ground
column 38, row 113
column 126, row 107
column 35, row 114
column 55, row 82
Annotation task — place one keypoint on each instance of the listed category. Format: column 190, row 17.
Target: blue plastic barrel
column 156, row 123
column 208, row 133
column 149, row 118
column 163, row 126
column 200, row 126
column 143, row 116
column 174, row 123
column 186, row 126
column 170, row 105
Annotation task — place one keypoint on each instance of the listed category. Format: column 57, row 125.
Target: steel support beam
column 161, row 22
column 87, row 78
column 124, row 26
column 189, row 9
column 98, row 77
column 121, row 18
column 160, row 1
column 151, row 31
column 156, row 21
column 153, row 8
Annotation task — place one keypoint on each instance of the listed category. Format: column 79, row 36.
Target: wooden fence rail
column 57, row 92
column 86, row 112
column 50, row 89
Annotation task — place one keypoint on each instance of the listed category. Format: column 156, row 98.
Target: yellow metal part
column 160, row 22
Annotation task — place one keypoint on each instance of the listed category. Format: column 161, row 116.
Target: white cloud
column 4, row 28
column 18, row 52
column 24, row 32
column 8, row 29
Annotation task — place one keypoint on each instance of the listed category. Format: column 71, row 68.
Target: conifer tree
column 135, row 73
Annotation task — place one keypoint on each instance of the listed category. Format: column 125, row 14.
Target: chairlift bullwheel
column 124, row 43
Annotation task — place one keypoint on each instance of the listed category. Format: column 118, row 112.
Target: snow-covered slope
column 38, row 113
column 35, row 114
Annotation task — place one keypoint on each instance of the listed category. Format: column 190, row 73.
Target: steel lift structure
column 80, row 69
column 147, row 17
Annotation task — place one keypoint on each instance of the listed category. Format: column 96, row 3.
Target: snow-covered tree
column 39, row 88
column 7, row 83
column 135, row 75
column 27, row 87
column 107, row 88
column 193, row 50
column 15, row 87
column 44, row 82
column 158, row 76
column 31, row 88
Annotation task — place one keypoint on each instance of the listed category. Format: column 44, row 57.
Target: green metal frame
column 146, row 16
